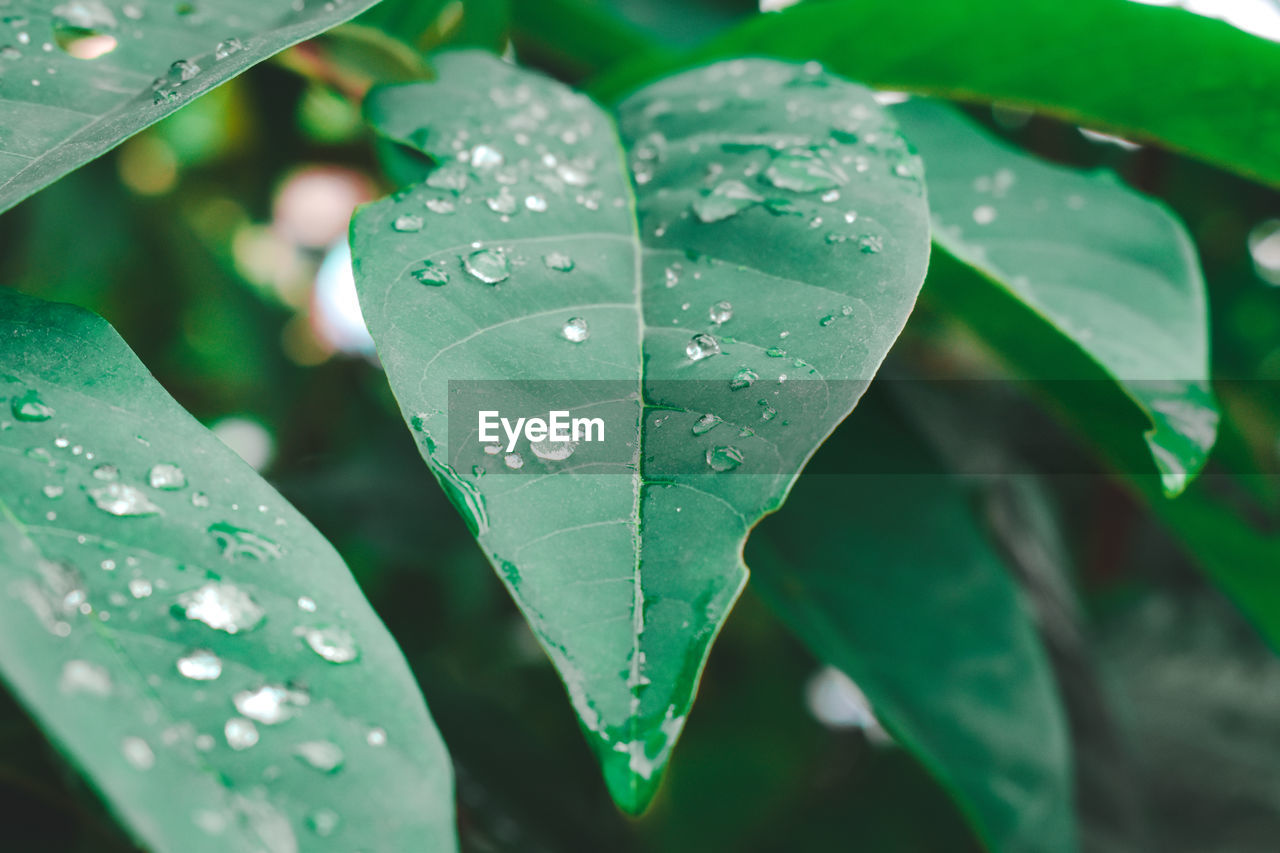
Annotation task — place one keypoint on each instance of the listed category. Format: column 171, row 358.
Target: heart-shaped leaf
column 720, row 321
column 1111, row 270
column 79, row 76
column 182, row 634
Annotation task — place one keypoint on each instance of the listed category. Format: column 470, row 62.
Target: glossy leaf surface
column 1112, row 271
column 752, row 191
column 78, row 77
column 183, row 635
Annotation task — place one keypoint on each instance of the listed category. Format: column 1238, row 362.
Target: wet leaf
column 183, row 635
column 930, row 628
column 525, row 259
column 78, row 77
column 1111, row 270
column 1112, row 65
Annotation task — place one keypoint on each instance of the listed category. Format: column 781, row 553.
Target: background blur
column 215, row 243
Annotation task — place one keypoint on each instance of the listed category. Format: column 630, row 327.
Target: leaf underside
column 627, row 566
column 1111, row 270
column 181, row 633
column 77, row 78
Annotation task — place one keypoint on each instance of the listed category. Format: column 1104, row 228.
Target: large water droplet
column 702, row 346
column 727, row 199
column 488, row 265
column 321, row 754
column 271, row 703
column 575, row 330
column 140, row 588
column 240, row 733
column 440, row 205
column 744, row 378
column 724, row 458
column 79, row 676
column 804, row 170
column 223, row 606
column 167, row 477
column 721, row 312
column 183, row 70
column 30, row 408
column 558, row 261
column 200, row 665
column 235, row 542
column 706, row 423
column 336, row 645
column 122, row 500
column 514, row 461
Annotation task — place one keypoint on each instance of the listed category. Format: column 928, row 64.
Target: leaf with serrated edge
column 1111, row 270
column 80, row 76
column 626, row 570
column 143, row 608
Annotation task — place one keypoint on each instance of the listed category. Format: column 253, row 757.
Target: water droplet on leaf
column 706, row 423
column 166, row 477
column 702, row 346
column 223, row 606
column 122, row 500
column 575, row 330
column 558, row 261
column 721, row 312
column 724, row 458
column 336, row 645
column 30, row 407
column 488, row 265
column 200, row 665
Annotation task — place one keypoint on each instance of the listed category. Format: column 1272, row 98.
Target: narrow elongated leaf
column 182, row 634
column 1110, row 64
column 1111, row 270
column 78, row 77
column 524, row 260
column 888, row 578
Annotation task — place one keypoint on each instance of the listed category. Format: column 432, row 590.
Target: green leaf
column 626, row 562
column 887, row 577
column 1198, row 86
column 1111, row 270
column 182, row 634
column 62, row 108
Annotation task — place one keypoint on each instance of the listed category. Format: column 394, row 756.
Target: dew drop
column 199, row 499
column 514, row 461
column 706, row 424
column 235, row 542
column 775, row 352
column 724, row 458
column 702, row 346
column 376, row 737
column 721, row 312
column 51, row 491
column 407, row 223
column 183, row 70
column 504, row 202
column 320, row 754
column 106, row 472
column 871, row 244
column 140, row 588
column 30, row 408
column 554, row 451
column 138, row 753
column 488, row 265
column 122, row 500
column 558, row 261
column 431, row 274
column 984, row 214
column 307, row 604
column 804, row 170
column 240, row 733
column 486, row 157
column 200, row 665
column 222, row 606
column 575, row 330
column 536, row 203
column 166, row 477
column 440, row 205
column 270, row 704
column 336, row 645
column 744, row 378
column 323, row 822
column 79, row 676
column 227, row 48
column 726, row 200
